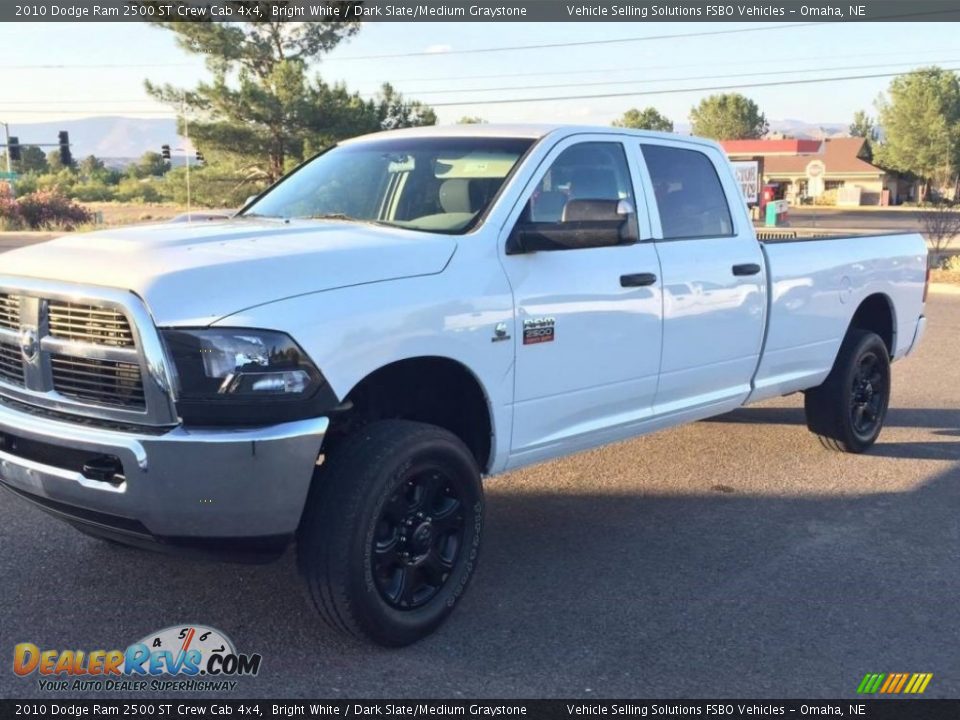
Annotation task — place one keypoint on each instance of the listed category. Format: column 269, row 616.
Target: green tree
column 91, row 166
column 471, row 120
column 150, row 164
column 921, row 126
column 394, row 111
column 32, row 159
column 54, row 164
column 257, row 103
column 728, row 116
column 647, row 119
column 863, row 126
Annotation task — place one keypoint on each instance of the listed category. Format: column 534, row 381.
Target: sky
column 128, row 53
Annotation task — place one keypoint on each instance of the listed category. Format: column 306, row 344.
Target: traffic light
column 200, row 159
column 165, row 152
column 66, row 159
column 13, row 147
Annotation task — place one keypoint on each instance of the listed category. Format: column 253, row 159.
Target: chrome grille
column 11, row 366
column 89, row 323
column 100, row 381
column 9, row 311
column 83, row 350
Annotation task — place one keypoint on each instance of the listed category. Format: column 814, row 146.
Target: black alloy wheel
column 867, row 396
column 848, row 410
column 390, row 535
column 418, row 539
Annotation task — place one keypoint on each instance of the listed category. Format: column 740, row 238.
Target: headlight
column 244, row 377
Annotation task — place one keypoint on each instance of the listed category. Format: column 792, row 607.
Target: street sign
column 8, row 176
column 748, row 178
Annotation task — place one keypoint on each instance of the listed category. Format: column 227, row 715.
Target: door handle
column 746, row 269
column 637, row 280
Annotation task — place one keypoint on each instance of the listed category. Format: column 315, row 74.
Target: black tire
column 370, row 571
column 847, row 411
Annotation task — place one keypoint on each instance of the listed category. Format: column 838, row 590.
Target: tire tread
column 337, row 497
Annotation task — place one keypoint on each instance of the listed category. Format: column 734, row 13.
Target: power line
column 465, row 51
column 671, row 91
column 592, row 96
column 152, row 105
column 86, row 114
column 671, row 66
column 98, row 66
column 665, row 79
column 578, row 43
column 644, row 38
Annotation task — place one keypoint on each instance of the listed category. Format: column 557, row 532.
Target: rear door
column 714, row 282
column 587, row 331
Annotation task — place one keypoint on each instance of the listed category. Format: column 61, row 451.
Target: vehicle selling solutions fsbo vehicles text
column 706, row 12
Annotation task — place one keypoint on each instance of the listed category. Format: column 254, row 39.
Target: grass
column 119, row 213
column 945, row 276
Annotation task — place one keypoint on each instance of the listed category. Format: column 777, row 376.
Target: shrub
column 10, row 217
column 48, row 210
column 952, row 264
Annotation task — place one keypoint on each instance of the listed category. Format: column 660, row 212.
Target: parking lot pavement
column 733, row 557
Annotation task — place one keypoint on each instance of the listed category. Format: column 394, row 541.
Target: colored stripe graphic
column 894, row 683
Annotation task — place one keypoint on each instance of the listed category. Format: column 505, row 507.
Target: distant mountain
column 105, row 137
column 803, row 129
column 123, row 138
column 794, row 129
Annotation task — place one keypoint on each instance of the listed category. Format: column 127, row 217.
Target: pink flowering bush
column 43, row 210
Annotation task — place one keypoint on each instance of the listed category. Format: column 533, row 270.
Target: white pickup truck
column 343, row 361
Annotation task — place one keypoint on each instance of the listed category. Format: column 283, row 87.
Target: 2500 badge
column 538, row 330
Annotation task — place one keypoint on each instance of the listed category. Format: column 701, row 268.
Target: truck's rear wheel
column 390, row 535
column 848, row 410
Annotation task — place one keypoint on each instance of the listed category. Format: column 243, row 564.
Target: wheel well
column 876, row 315
column 432, row 390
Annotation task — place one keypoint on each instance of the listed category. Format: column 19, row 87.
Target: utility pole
column 6, row 146
column 186, row 149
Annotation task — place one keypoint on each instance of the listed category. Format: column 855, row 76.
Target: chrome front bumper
column 182, row 484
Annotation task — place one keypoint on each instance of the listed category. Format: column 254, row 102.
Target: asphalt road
column 727, row 558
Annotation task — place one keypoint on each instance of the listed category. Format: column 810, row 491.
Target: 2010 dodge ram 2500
column 344, row 360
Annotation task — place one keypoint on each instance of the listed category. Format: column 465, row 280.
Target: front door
column 588, row 314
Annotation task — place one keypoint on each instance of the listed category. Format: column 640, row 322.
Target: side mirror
column 585, row 224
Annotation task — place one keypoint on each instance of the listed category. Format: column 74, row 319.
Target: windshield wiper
column 332, row 216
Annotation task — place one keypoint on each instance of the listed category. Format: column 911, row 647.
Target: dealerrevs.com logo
column 177, row 658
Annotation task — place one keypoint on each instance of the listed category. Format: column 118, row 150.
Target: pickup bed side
column 820, row 288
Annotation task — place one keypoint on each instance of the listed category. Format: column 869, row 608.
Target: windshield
column 441, row 185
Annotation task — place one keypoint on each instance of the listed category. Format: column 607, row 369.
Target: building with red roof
column 831, row 171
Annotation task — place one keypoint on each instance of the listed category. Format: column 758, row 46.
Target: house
column 834, row 171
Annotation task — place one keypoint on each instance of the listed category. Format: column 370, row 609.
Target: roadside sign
column 748, row 177
column 8, row 176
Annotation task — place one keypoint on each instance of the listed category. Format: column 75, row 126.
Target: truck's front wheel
column 847, row 411
column 390, row 535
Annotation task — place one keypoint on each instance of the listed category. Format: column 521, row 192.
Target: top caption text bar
column 477, row 11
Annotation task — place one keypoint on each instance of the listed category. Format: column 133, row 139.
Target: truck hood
column 196, row 274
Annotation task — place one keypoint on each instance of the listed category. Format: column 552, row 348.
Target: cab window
column 586, row 171
column 689, row 195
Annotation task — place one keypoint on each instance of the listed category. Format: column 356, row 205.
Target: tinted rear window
column 689, row 195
